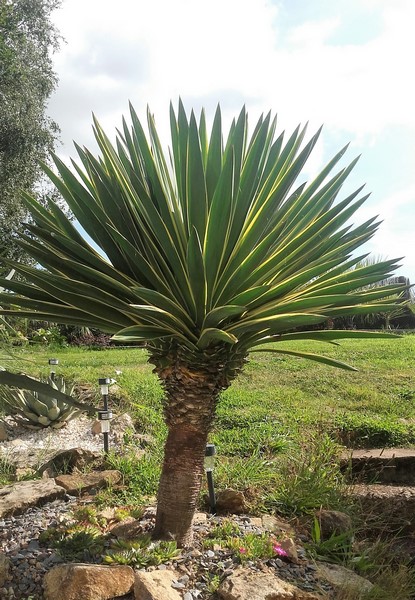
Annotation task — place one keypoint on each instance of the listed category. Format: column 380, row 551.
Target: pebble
column 177, row 585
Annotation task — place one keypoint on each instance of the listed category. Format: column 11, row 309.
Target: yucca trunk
column 192, row 389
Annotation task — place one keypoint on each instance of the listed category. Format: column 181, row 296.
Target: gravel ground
column 19, row 535
column 195, row 566
column 76, row 433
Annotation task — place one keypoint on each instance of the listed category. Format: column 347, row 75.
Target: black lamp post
column 53, row 362
column 209, row 466
column 105, row 415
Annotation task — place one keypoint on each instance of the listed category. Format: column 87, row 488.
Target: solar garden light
column 210, row 452
column 53, row 362
column 105, row 415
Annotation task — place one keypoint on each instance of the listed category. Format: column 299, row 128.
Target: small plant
column 123, row 513
column 37, row 410
column 225, row 530
column 51, row 335
column 213, row 584
column 7, row 469
column 250, row 546
column 255, row 547
column 338, row 548
column 89, row 515
column 141, row 552
column 75, row 541
column 79, row 542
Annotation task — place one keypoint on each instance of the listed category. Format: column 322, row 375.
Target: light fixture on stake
column 210, row 452
column 53, row 362
column 105, row 415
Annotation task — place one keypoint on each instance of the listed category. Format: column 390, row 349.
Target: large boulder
column 78, row 581
column 66, row 461
column 343, row 579
column 156, row 585
column 17, row 497
column 245, row 584
column 79, row 483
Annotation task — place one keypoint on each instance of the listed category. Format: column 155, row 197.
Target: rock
column 245, row 584
column 121, row 425
column 333, row 522
column 4, row 569
column 52, row 460
column 289, row 546
column 96, row 428
column 109, row 513
column 79, row 581
column 3, row 432
column 340, row 578
column 199, row 518
column 275, row 525
column 129, row 529
column 144, row 439
column 231, row 501
column 77, row 483
column 65, row 461
column 156, row 585
column 17, row 497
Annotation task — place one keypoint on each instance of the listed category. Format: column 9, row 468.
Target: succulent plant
column 36, row 410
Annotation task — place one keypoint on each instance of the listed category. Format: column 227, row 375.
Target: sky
column 346, row 64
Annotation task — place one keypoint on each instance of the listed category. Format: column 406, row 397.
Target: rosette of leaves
column 80, row 542
column 141, row 552
column 39, row 410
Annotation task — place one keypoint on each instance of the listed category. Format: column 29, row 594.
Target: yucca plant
column 205, row 256
column 37, row 410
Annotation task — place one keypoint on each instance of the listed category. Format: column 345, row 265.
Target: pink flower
column 278, row 550
column 242, row 550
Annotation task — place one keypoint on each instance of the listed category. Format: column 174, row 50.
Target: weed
column 336, row 549
column 140, row 475
column 7, row 469
column 309, row 478
column 213, row 584
column 227, row 528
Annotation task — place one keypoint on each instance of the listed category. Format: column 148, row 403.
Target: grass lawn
column 280, row 411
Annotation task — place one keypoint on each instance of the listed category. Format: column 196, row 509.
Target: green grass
column 267, row 419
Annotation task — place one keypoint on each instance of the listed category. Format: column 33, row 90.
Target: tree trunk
column 180, row 483
column 192, row 385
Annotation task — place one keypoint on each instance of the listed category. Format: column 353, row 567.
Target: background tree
column 27, row 135
column 218, row 254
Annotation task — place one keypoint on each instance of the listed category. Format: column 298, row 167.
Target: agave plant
column 212, row 253
column 36, row 409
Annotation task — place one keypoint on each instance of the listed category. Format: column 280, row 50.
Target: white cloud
column 235, row 52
